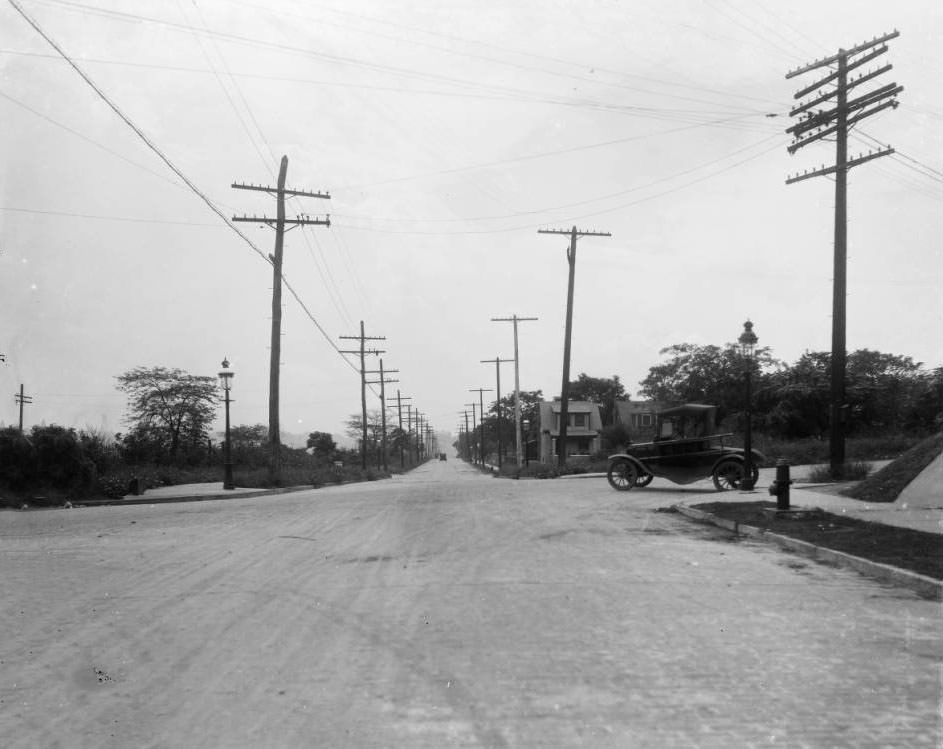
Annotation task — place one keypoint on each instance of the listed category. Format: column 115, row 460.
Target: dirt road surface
column 446, row 609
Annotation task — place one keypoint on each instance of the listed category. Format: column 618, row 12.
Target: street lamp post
column 526, row 425
column 225, row 380
column 748, row 341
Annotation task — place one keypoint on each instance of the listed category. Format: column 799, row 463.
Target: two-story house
column 582, row 435
column 639, row 418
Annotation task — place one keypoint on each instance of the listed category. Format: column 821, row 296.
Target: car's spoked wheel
column 622, row 475
column 644, row 479
column 728, row 475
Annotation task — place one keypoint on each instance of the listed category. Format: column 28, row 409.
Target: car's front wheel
column 622, row 474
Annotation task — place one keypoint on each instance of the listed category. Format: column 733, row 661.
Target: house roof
column 581, row 406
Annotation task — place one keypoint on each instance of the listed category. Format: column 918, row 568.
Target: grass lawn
column 904, row 548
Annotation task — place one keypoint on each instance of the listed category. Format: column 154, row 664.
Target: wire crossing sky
column 447, row 134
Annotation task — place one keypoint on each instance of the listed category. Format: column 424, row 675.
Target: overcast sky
column 447, row 133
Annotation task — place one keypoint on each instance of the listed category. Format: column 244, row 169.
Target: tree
column 604, row 391
column 321, row 443
column 250, row 446
column 170, row 404
column 703, row 374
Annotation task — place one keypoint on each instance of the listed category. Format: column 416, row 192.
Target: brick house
column 583, row 425
column 639, row 417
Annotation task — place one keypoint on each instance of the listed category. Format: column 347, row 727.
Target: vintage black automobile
column 685, row 449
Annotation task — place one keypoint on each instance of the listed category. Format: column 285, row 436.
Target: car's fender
column 631, row 458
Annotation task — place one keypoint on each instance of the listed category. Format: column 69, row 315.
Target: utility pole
column 565, row 388
column 409, row 430
column 21, row 399
column 279, row 222
column 497, row 369
column 464, row 448
column 363, row 384
column 382, row 382
column 472, row 450
column 814, row 124
column 420, row 448
column 517, row 384
column 399, row 412
column 481, row 421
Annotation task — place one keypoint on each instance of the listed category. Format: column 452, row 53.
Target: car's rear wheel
column 729, row 475
column 644, row 479
column 622, row 474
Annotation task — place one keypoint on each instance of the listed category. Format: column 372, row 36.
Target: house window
column 646, row 420
column 579, row 420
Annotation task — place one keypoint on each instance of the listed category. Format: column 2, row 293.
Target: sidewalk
column 191, row 493
column 920, row 505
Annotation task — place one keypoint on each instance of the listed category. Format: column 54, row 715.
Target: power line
column 539, row 155
column 531, row 55
column 91, row 141
column 598, row 199
column 593, row 214
column 518, row 96
column 173, row 167
column 307, row 52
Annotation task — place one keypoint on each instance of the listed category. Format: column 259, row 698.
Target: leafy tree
column 169, row 405
column 703, row 374
column 602, row 390
column 615, row 436
column 354, row 426
column 321, row 443
column 250, row 445
column 530, row 411
column 884, row 392
column 244, row 437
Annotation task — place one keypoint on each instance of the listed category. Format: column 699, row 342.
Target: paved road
column 446, row 609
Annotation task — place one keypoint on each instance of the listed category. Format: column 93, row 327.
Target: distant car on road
column 442, row 456
column 685, row 449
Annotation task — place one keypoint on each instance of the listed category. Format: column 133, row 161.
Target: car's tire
column 622, row 474
column 728, row 474
column 644, row 479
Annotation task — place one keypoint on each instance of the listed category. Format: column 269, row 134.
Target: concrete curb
column 925, row 586
column 143, row 500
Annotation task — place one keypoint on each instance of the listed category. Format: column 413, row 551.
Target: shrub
column 854, row 471
column 17, row 459
column 51, row 457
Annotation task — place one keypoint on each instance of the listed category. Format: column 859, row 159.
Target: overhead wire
column 575, row 204
column 337, row 59
column 174, row 168
column 529, row 157
column 529, row 68
column 507, row 50
column 569, row 219
column 327, row 280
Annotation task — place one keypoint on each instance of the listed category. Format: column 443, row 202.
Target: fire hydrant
column 780, row 487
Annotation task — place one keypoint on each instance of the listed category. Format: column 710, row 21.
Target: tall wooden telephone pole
column 363, row 383
column 565, row 388
column 517, row 384
column 20, row 398
column 497, row 370
column 814, row 124
column 481, row 421
column 382, row 383
column 279, row 222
